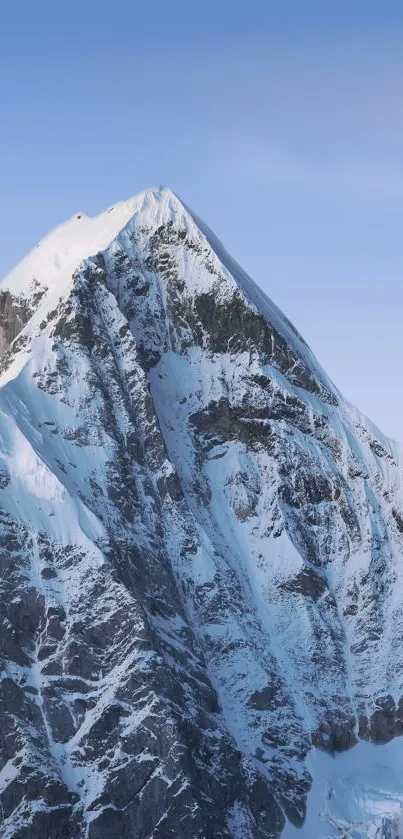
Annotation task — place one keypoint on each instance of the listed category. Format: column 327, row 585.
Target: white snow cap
column 55, row 258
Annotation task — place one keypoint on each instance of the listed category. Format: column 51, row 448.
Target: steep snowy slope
column 201, row 544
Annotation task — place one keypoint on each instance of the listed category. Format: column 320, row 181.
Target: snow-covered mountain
column 201, row 547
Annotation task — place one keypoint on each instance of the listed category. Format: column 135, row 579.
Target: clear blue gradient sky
column 281, row 123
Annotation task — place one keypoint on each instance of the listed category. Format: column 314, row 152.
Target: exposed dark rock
column 308, row 583
column 398, row 517
column 385, row 722
column 15, row 312
column 267, row 698
column 336, row 733
column 220, row 422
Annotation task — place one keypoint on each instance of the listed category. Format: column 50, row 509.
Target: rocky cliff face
column 201, row 544
column 15, row 312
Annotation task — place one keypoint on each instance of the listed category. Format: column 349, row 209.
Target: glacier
column 358, row 795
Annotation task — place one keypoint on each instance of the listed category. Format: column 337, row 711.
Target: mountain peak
column 201, row 544
column 53, row 261
column 46, row 276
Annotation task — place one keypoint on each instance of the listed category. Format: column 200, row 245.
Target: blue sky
column 280, row 123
